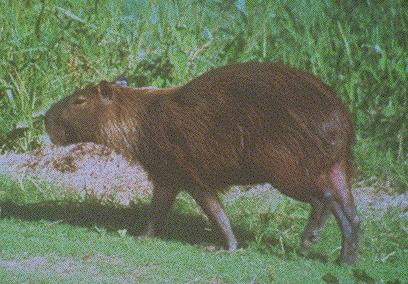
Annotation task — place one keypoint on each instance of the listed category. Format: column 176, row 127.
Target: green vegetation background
column 50, row 48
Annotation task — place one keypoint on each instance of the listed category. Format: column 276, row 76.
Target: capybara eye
column 79, row 100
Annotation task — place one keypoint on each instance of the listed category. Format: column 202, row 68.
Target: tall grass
column 50, row 48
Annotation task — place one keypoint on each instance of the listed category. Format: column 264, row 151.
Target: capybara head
column 76, row 118
column 107, row 113
column 241, row 124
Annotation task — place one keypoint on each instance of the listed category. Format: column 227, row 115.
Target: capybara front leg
column 212, row 207
column 163, row 199
column 317, row 219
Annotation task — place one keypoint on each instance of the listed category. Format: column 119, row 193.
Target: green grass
column 380, row 167
column 50, row 48
column 46, row 240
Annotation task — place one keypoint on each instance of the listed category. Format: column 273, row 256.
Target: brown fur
column 240, row 124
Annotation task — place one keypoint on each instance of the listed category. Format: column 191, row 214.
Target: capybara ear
column 122, row 81
column 105, row 90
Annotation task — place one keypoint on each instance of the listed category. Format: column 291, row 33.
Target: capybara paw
column 151, row 231
column 142, row 237
column 304, row 250
column 347, row 259
column 308, row 239
column 232, row 246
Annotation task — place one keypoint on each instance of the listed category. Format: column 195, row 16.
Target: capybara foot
column 309, row 238
column 347, row 259
column 152, row 231
column 232, row 246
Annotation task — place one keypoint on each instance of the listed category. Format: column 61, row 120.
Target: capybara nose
column 49, row 120
column 53, row 126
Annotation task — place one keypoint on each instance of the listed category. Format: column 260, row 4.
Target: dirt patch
column 377, row 202
column 96, row 171
column 87, row 169
column 372, row 203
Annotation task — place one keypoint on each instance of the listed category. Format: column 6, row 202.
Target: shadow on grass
column 188, row 228
column 185, row 227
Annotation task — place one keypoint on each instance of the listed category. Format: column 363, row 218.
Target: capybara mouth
column 57, row 137
column 62, row 136
column 55, row 130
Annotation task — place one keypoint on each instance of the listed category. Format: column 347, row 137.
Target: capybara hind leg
column 163, row 199
column 212, row 207
column 349, row 247
column 345, row 212
column 317, row 219
column 342, row 193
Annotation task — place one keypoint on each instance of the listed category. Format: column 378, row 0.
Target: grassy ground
column 47, row 240
column 50, row 48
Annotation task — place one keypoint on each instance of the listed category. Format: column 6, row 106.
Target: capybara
column 240, row 124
